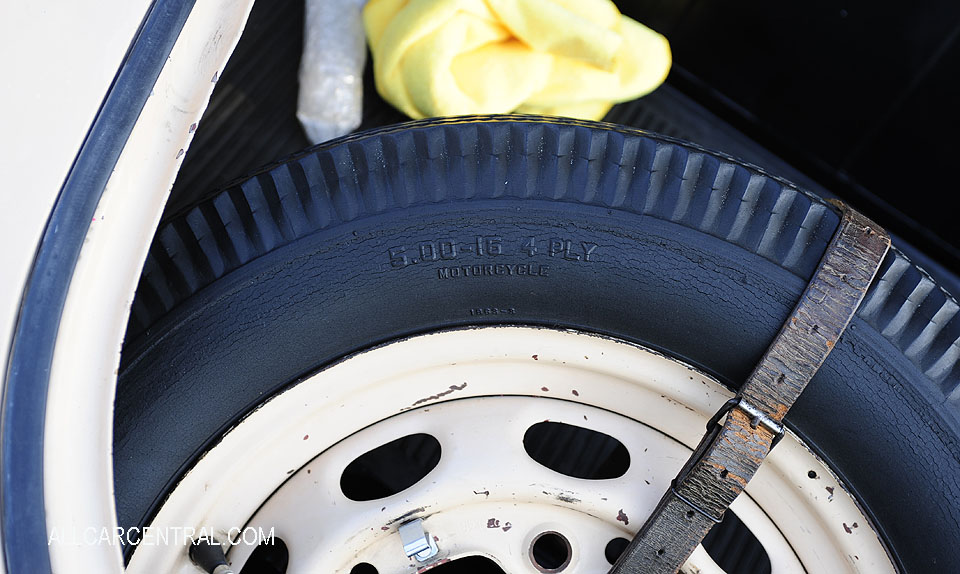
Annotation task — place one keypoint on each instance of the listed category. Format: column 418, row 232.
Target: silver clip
column 417, row 543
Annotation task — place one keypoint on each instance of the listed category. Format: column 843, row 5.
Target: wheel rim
column 478, row 391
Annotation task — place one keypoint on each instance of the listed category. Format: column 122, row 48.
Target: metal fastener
column 417, row 543
column 208, row 555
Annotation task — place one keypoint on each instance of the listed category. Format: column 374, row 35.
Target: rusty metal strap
column 729, row 454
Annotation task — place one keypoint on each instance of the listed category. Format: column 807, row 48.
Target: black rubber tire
column 636, row 236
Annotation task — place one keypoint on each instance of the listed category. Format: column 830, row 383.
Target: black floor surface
column 251, row 121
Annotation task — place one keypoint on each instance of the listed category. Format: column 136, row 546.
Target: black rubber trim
column 23, row 523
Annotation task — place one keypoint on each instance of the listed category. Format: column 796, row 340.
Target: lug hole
column 364, row 568
column 550, row 552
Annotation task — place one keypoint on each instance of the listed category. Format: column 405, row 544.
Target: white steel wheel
column 476, row 394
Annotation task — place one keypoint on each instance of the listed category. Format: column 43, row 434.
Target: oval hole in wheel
column 390, row 468
column 576, row 451
column 734, row 548
column 270, row 557
column 614, row 549
column 469, row 565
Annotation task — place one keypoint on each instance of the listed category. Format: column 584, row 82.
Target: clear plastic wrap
column 330, row 102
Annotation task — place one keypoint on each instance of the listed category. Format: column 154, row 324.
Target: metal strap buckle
column 671, row 533
column 757, row 418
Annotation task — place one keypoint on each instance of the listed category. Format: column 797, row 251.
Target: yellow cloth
column 559, row 57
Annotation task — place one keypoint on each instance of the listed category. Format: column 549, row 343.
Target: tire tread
column 581, row 162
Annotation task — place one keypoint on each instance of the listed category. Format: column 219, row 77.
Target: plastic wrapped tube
column 330, row 102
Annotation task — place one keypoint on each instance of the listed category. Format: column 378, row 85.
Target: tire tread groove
column 569, row 161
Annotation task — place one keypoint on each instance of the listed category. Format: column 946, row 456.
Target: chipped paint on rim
column 501, row 374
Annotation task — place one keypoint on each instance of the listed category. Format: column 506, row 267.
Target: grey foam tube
column 330, row 102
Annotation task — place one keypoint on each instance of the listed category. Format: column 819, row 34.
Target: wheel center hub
column 486, row 496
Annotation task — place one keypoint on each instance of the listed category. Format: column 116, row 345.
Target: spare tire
column 526, row 221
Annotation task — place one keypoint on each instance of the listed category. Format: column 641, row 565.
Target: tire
column 441, row 224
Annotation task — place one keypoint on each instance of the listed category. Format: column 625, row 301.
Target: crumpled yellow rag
column 571, row 58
